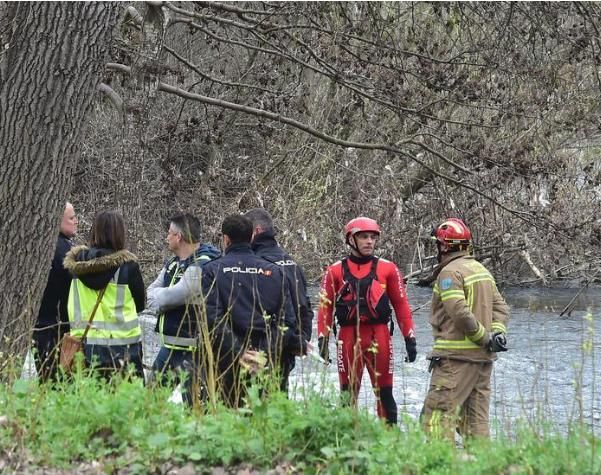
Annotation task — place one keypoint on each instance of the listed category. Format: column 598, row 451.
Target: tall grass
column 127, row 426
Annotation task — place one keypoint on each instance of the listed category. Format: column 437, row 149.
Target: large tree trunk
column 49, row 72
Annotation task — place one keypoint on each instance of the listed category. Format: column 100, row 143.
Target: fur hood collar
column 82, row 260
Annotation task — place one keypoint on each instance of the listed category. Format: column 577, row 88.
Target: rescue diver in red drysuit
column 364, row 284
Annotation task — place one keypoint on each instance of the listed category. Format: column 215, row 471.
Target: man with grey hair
column 175, row 295
column 53, row 321
column 265, row 245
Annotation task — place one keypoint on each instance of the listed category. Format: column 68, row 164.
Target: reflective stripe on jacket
column 177, row 324
column 466, row 307
column 173, row 342
column 116, row 320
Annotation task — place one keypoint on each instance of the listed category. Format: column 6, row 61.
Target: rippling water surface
column 549, row 373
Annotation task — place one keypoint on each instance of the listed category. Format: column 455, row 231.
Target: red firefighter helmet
column 453, row 232
column 360, row 225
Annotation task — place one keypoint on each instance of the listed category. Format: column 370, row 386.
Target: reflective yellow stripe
column 498, row 327
column 434, row 423
column 451, row 294
column 468, row 285
column 470, row 298
column 113, row 341
column 180, row 348
column 479, row 333
column 161, row 322
column 175, row 342
column 477, row 278
column 74, row 310
column 465, row 344
column 116, row 319
column 106, row 326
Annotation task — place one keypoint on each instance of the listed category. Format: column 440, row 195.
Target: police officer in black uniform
column 265, row 245
column 248, row 296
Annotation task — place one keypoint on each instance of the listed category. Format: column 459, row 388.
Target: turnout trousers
column 458, row 399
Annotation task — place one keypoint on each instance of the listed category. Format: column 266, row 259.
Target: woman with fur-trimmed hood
column 114, row 340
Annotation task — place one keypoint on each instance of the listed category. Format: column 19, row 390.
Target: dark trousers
column 183, row 365
column 110, row 360
column 288, row 363
column 234, row 383
column 46, row 346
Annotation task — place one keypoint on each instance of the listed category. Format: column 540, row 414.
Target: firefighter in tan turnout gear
column 468, row 323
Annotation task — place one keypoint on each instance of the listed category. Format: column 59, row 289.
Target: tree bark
column 54, row 53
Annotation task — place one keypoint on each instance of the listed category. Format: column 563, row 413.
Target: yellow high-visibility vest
column 116, row 320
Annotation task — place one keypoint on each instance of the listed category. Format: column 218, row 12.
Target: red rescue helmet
column 360, row 225
column 452, row 233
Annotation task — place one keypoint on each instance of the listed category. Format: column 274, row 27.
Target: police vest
column 179, row 319
column 364, row 297
column 116, row 320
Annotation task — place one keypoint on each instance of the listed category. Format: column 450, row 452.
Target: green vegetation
column 127, row 426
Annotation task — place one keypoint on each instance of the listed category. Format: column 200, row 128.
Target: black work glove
column 411, row 347
column 324, row 352
column 498, row 342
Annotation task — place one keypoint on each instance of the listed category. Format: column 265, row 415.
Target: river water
column 546, row 380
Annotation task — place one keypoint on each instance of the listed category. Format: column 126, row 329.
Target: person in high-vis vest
column 176, row 296
column 468, row 320
column 114, row 341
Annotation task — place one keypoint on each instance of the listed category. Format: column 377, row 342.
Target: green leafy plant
column 124, row 425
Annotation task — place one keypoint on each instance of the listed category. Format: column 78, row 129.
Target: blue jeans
column 115, row 359
column 182, row 364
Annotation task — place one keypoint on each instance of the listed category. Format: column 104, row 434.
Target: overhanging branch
column 523, row 215
column 112, row 95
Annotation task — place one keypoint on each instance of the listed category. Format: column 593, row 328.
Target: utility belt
column 353, row 322
column 344, row 321
column 437, row 361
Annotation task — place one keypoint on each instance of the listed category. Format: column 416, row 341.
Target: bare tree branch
column 112, row 95
column 206, row 76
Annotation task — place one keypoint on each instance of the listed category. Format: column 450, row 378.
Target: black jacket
column 265, row 246
column 53, row 308
column 96, row 267
column 249, row 295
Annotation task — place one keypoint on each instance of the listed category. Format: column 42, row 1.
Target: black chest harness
column 364, row 297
